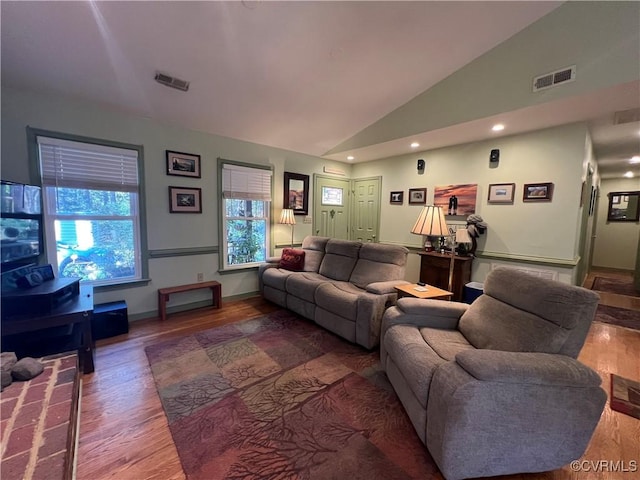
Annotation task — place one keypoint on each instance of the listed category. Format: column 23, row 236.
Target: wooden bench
column 164, row 293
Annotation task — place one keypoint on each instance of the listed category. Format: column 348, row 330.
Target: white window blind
column 246, row 183
column 65, row 163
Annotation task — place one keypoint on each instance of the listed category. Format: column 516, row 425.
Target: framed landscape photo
column 417, row 196
column 183, row 164
column 185, row 200
column 396, row 198
column 501, row 192
column 537, row 192
column 296, row 192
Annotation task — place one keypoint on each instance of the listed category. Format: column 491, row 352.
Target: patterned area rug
column 621, row 317
column 625, row 396
column 621, row 286
column 280, row 398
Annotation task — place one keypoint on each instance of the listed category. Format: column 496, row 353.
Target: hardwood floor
column 124, row 433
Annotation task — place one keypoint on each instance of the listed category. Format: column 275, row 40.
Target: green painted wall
column 165, row 231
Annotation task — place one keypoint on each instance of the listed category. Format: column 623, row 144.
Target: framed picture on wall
column 501, row 192
column 185, row 200
column 396, row 198
column 417, row 196
column 537, row 192
column 183, row 164
column 296, row 193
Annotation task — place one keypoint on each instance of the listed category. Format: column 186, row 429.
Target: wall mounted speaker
column 494, row 156
column 420, row 165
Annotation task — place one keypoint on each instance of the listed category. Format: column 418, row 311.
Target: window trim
column 35, row 178
column 221, row 218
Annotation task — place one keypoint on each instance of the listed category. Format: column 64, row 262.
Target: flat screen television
column 20, row 223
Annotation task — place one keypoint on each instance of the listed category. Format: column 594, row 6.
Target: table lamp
column 287, row 218
column 462, row 236
column 431, row 222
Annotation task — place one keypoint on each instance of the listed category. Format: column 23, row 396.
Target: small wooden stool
column 164, row 293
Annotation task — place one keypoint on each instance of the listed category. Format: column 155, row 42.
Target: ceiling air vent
column 627, row 116
column 172, row 82
column 548, row 80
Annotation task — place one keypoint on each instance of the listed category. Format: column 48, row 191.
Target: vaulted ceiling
column 338, row 79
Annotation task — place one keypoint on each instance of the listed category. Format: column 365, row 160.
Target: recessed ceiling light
column 415, row 145
column 628, row 174
column 635, row 159
column 498, row 127
column 351, row 157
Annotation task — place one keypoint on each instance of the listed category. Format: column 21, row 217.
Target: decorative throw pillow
column 292, row 259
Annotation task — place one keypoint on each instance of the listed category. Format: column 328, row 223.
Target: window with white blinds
column 92, row 213
column 246, row 197
column 85, row 165
column 246, row 183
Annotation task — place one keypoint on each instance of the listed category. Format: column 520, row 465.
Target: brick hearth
column 39, row 422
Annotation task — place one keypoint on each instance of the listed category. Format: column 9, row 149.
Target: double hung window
column 91, row 195
column 246, row 199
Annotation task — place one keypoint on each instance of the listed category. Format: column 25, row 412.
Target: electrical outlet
column 201, row 277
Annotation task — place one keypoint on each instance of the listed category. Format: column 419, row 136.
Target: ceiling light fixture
column 629, row 174
column 635, row 159
column 415, row 145
column 497, row 127
column 351, row 157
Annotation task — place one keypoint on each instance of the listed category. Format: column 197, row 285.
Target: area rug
column 625, row 396
column 621, row 286
column 621, row 317
column 279, row 398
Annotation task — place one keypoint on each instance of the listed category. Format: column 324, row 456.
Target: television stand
column 76, row 312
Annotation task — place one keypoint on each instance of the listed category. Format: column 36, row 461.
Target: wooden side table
column 430, row 292
column 434, row 270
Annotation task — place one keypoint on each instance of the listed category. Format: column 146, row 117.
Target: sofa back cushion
column 379, row 263
column 339, row 259
column 314, row 252
column 521, row 312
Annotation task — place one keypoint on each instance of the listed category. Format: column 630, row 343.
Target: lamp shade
column 462, row 236
column 287, row 217
column 431, row 222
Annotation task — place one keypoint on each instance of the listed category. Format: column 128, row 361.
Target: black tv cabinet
column 75, row 312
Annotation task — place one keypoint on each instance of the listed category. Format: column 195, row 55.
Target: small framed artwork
column 183, row 164
column 537, row 192
column 615, row 199
column 417, row 196
column 396, row 198
column 296, row 192
column 501, row 192
column 185, row 200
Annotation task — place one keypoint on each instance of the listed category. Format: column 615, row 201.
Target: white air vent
column 172, row 82
column 548, row 80
column 627, row 116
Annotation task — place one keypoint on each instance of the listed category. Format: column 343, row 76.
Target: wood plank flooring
column 124, row 433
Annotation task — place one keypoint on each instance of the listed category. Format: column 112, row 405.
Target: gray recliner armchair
column 494, row 387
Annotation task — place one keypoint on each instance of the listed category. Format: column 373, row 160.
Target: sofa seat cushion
column 303, row 284
column 340, row 298
column 446, row 343
column 276, row 277
column 413, row 357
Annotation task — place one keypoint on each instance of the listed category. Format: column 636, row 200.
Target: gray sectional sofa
column 344, row 286
column 493, row 388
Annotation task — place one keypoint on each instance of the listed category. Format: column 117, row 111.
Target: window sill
column 238, row 269
column 121, row 285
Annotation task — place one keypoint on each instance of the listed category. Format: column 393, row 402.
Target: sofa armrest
column 440, row 308
column 424, row 313
column 381, row 288
column 527, row 368
column 275, row 260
